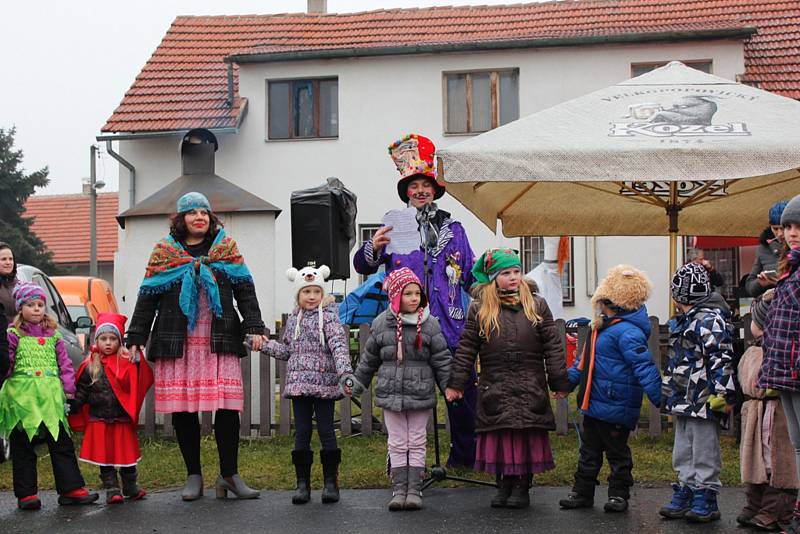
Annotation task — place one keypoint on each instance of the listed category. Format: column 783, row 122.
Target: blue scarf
column 170, row 265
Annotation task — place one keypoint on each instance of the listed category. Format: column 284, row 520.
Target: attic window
column 303, row 109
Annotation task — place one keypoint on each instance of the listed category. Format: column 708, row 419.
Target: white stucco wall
column 381, row 99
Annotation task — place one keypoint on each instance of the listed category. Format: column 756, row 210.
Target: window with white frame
column 365, row 233
column 637, row 69
column 532, row 252
column 303, row 109
column 478, row 101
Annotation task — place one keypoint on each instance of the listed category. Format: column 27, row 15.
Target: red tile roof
column 184, row 84
column 62, row 222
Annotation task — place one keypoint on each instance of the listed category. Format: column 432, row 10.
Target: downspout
column 131, row 170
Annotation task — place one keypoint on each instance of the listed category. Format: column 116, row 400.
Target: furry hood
column 625, row 286
column 766, row 236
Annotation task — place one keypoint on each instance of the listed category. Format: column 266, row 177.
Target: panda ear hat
column 308, row 277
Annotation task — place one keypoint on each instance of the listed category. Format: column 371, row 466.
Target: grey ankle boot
column 414, row 495
column 193, row 489
column 399, row 488
column 236, row 486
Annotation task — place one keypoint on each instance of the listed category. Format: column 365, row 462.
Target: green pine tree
column 15, row 188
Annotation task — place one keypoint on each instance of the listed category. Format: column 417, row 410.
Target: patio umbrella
column 671, row 152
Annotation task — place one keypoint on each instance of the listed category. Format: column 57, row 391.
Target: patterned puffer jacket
column 314, row 369
column 700, row 363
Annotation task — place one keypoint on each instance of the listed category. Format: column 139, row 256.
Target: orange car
column 85, row 296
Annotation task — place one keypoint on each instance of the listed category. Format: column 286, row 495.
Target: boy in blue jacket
column 613, row 372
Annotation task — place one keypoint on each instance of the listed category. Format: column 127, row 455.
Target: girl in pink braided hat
column 408, row 351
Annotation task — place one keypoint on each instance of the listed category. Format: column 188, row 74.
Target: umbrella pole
column 673, row 208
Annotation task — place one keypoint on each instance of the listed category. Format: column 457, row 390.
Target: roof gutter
column 131, row 171
column 684, row 35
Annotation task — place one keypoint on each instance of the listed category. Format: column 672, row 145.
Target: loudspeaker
column 323, row 225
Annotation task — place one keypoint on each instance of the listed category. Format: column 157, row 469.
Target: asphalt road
column 446, row 510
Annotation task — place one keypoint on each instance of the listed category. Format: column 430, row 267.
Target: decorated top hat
column 413, row 156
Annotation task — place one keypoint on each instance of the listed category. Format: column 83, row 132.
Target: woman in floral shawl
column 192, row 278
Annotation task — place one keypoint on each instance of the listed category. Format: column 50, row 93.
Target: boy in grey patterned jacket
column 700, row 392
column 315, row 345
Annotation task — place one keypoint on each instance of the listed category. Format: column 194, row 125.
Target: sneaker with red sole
column 77, row 496
column 31, row 502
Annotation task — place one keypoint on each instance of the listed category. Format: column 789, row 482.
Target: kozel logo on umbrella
column 688, row 116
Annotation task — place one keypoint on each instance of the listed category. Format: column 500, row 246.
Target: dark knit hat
column 791, row 213
column 690, row 284
column 759, row 308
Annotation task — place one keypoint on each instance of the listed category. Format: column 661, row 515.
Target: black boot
column 108, row 476
column 575, row 500
column 500, row 498
column 520, row 497
column 302, row 460
column 330, row 472
column 130, row 488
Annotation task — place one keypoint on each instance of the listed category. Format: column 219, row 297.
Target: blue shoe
column 680, row 504
column 704, row 507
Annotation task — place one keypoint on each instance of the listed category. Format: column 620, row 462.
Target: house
column 295, row 98
column 62, row 222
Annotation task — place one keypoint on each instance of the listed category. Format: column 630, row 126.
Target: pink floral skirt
column 514, row 452
column 201, row 381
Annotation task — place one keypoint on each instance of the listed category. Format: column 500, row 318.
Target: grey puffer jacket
column 767, row 254
column 409, row 383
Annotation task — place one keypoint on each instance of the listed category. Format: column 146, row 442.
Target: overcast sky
column 66, row 66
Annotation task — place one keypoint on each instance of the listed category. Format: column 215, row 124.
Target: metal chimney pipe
column 319, row 7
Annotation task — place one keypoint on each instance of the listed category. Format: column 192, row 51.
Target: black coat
column 100, row 397
column 517, row 367
column 170, row 328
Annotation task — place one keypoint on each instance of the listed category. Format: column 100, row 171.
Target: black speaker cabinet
column 320, row 233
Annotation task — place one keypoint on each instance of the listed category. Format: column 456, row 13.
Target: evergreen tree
column 15, row 188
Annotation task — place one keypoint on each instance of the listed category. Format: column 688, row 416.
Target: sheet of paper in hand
column 404, row 233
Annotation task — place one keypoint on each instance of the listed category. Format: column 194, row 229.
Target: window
column 725, row 262
column 303, row 109
column 637, row 69
column 365, row 233
column 479, row 101
column 532, row 252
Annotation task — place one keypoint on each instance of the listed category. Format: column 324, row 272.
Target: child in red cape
column 111, row 386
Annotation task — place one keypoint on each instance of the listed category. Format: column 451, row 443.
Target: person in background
column 780, row 369
column 765, row 452
column 8, row 280
column 763, row 275
column 443, row 264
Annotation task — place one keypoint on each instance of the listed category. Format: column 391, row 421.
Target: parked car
column 57, row 308
column 86, row 296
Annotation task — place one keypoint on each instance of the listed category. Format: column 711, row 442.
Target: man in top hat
column 445, row 254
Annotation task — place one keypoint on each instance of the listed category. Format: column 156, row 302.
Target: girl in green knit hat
column 521, row 359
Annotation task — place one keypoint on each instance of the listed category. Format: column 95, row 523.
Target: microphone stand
column 438, row 471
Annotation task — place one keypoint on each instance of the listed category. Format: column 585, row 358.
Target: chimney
column 318, row 7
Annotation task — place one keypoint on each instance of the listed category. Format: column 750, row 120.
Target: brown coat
column 754, row 471
column 517, row 365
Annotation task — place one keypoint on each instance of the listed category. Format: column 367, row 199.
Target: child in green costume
column 33, row 402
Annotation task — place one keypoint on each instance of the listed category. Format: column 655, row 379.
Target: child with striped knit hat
column 408, row 351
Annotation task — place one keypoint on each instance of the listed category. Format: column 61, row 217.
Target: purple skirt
column 514, row 452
